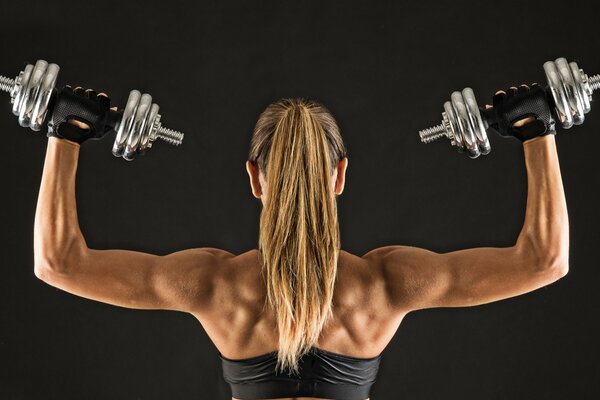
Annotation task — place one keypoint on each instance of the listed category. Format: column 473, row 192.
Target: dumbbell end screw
column 6, row 84
column 170, row 136
column 594, row 82
column 432, row 134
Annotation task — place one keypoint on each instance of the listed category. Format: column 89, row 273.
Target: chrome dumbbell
column 465, row 123
column 137, row 126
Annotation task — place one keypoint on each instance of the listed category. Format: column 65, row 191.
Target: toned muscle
column 363, row 322
column 225, row 292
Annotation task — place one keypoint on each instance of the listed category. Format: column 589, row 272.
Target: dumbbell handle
column 136, row 127
column 489, row 116
column 439, row 131
column 168, row 135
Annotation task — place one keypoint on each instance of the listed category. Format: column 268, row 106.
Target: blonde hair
column 297, row 144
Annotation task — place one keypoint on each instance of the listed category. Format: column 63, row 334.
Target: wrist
column 539, row 139
column 63, row 143
column 538, row 148
column 63, row 150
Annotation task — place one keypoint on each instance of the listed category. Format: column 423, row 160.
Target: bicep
column 418, row 278
column 179, row 281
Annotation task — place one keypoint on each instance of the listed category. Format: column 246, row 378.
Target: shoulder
column 237, row 278
column 374, row 262
column 205, row 261
column 196, row 274
column 215, row 263
column 360, row 280
column 386, row 257
column 401, row 268
column 397, row 256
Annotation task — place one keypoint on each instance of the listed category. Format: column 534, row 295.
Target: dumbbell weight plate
column 464, row 127
column 149, row 130
column 463, row 119
column 139, row 126
column 580, row 84
column 33, row 92
column 40, row 108
column 476, row 121
column 572, row 90
column 22, row 82
column 124, row 126
column 566, row 85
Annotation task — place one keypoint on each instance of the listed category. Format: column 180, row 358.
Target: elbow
column 560, row 267
column 556, row 267
column 49, row 265
column 546, row 255
column 47, row 271
column 41, row 272
column 56, row 256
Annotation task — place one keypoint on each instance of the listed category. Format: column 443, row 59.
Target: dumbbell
column 137, row 126
column 569, row 93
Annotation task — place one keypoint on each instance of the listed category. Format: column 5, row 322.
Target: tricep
column 417, row 278
column 181, row 281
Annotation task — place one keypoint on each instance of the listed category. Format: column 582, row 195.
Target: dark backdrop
column 384, row 69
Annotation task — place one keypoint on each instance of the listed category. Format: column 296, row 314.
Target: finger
column 500, row 94
column 513, row 90
column 522, row 89
column 90, row 93
column 104, row 99
column 78, row 90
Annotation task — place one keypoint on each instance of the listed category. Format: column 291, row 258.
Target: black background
column 384, row 69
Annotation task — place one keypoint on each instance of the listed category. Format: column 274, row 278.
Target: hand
column 79, row 115
column 523, row 112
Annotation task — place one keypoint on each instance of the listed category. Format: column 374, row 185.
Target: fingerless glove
column 83, row 106
column 520, row 103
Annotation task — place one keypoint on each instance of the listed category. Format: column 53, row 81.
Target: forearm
column 545, row 233
column 57, row 235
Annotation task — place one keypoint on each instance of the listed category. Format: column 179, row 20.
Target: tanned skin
column 373, row 292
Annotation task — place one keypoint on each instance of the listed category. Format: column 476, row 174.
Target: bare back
column 372, row 294
column 362, row 323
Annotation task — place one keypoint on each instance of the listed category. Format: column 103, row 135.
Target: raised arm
column 417, row 278
column 182, row 281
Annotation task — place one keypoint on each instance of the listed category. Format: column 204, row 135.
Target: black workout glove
column 520, row 103
column 81, row 105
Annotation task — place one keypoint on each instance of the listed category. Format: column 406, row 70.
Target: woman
column 299, row 317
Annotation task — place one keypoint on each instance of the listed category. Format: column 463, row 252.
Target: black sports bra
column 322, row 374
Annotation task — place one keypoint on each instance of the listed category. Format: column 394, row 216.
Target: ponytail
column 299, row 238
